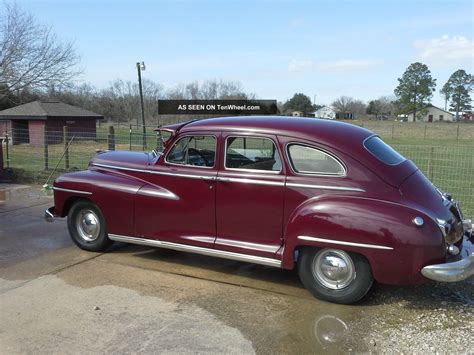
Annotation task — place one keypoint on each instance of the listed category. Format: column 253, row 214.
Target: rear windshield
column 382, row 151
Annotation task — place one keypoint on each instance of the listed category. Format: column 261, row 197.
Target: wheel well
column 299, row 248
column 70, row 202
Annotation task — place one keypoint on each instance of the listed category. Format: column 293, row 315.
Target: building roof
column 427, row 106
column 41, row 110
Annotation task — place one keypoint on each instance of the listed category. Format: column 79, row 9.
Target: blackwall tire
column 87, row 228
column 334, row 275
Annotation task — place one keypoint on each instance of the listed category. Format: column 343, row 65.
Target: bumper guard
column 453, row 271
column 49, row 214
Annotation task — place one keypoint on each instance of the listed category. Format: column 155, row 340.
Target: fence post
column 111, row 138
column 424, row 133
column 393, row 129
column 46, row 157
column 130, row 138
column 430, row 164
column 7, row 151
column 457, row 134
column 66, row 147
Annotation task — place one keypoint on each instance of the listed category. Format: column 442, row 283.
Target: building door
column 430, row 118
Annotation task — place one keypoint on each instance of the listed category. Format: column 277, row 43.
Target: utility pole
column 140, row 67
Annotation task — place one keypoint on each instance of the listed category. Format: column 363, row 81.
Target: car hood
column 121, row 159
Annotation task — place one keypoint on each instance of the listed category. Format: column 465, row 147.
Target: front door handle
column 223, row 179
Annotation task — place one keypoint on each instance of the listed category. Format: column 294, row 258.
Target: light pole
column 140, row 68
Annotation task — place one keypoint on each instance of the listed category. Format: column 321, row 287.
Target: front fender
column 380, row 230
column 112, row 193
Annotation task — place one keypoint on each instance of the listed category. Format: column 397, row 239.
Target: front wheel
column 86, row 226
column 335, row 275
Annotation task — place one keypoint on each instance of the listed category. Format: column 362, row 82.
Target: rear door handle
column 223, row 179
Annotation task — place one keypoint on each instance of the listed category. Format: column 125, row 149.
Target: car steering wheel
column 192, row 151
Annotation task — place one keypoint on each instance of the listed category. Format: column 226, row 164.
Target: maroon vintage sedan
column 327, row 197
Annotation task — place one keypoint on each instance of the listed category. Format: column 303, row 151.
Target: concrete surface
column 56, row 298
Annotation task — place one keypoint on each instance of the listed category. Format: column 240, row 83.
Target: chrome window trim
column 273, row 172
column 201, row 177
column 73, row 191
column 307, row 173
column 198, row 250
column 327, row 187
column 250, row 181
column 188, row 165
column 340, row 242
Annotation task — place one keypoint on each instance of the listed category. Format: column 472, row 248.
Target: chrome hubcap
column 88, row 226
column 333, row 268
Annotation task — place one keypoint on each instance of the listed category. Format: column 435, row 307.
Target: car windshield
column 382, row 151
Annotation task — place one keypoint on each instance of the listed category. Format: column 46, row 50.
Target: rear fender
column 382, row 231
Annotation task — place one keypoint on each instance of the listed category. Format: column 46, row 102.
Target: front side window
column 308, row 160
column 382, row 151
column 252, row 153
column 194, row 150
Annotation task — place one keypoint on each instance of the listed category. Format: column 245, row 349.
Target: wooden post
column 393, row 128
column 457, row 134
column 424, row 134
column 130, row 138
column 66, row 147
column 6, row 150
column 111, row 138
column 46, row 157
column 430, row 164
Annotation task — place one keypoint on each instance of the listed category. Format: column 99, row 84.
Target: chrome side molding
column 73, row 191
column 340, row 242
column 325, row 187
column 198, row 250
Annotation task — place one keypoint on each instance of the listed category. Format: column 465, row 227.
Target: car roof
column 343, row 136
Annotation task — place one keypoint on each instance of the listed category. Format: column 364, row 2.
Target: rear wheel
column 87, row 228
column 335, row 275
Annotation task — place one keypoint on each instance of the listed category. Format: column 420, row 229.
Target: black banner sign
column 217, row 107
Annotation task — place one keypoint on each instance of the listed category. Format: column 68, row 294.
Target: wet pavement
column 57, row 298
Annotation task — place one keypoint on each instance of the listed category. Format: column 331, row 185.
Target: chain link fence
column 444, row 152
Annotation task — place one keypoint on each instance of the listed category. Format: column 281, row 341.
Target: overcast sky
column 274, row 48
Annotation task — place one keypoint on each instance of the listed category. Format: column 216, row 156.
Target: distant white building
column 430, row 113
column 325, row 112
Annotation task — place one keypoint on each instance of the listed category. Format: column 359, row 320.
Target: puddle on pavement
column 274, row 323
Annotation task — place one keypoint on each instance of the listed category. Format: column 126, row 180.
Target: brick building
column 38, row 122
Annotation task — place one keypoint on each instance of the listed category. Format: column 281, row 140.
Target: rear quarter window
column 382, row 151
column 309, row 160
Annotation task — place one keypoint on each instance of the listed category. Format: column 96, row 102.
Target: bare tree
column 209, row 90
column 347, row 104
column 31, row 56
column 384, row 105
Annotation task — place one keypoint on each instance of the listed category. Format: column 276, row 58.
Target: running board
column 198, row 250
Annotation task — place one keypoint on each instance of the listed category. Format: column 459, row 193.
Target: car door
column 250, row 195
column 178, row 202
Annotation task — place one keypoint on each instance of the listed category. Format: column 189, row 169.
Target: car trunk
column 418, row 189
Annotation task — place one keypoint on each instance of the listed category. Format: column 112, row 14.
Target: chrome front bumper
column 453, row 271
column 49, row 214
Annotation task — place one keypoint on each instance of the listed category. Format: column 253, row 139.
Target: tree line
column 413, row 93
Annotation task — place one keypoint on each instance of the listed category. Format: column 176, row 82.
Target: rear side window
column 308, row 160
column 251, row 153
column 382, row 151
